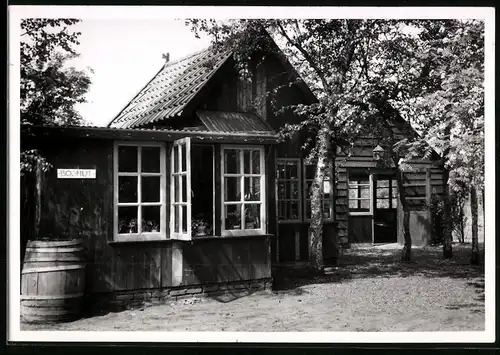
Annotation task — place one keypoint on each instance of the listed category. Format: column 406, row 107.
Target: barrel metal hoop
column 46, row 259
column 53, row 250
column 50, row 297
column 52, row 268
column 53, row 243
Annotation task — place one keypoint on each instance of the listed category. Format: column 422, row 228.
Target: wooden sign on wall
column 76, row 173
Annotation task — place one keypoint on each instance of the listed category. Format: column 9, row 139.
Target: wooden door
column 385, row 209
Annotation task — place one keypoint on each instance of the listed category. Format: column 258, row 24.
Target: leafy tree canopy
column 50, row 89
column 369, row 74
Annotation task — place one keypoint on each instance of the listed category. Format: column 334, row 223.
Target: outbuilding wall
column 425, row 173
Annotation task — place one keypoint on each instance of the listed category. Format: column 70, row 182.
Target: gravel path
column 416, row 303
column 375, row 292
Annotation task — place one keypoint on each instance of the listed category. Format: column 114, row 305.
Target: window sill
column 123, row 239
column 136, row 240
column 360, row 214
column 307, row 221
column 209, row 237
column 290, row 221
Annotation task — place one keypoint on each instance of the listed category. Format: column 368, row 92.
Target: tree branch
column 306, row 55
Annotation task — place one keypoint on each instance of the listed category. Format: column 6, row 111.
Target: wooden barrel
column 52, row 281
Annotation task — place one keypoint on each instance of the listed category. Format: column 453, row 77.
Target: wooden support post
column 38, row 208
column 297, row 245
column 277, row 247
column 219, row 213
column 177, row 264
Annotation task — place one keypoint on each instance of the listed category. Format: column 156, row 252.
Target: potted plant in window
column 252, row 214
column 199, row 226
column 251, row 217
column 150, row 226
column 132, row 226
column 233, row 220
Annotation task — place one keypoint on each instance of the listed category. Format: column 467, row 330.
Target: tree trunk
column 447, row 235
column 333, row 195
column 475, row 242
column 484, row 224
column 38, row 208
column 462, row 224
column 406, row 255
column 316, row 238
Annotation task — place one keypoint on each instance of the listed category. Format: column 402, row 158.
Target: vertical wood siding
column 341, row 202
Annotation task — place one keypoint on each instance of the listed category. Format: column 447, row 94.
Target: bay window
column 139, row 193
column 243, row 190
column 142, row 206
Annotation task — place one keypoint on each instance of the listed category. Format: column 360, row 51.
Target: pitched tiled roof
column 232, row 122
column 168, row 93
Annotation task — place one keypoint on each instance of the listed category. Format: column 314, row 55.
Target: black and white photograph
column 251, row 174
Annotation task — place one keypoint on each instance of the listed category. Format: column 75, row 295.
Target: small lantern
column 378, row 153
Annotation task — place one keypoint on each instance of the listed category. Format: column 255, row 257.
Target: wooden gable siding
column 279, row 77
column 233, row 93
column 223, row 94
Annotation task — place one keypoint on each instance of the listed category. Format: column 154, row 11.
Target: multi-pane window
column 327, row 196
column 360, row 195
column 386, row 193
column 288, row 189
column 180, row 189
column 139, row 191
column 243, row 199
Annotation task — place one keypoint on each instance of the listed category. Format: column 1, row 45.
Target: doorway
column 385, row 213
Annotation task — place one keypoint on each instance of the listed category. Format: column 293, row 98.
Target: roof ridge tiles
column 189, row 56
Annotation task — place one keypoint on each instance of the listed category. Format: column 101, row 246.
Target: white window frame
column 307, row 197
column 392, row 184
column 140, row 236
column 242, row 175
column 371, row 199
column 299, row 183
column 186, row 143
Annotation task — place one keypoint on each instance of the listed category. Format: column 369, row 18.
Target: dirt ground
column 372, row 291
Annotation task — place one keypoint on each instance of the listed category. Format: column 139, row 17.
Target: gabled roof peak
column 171, row 89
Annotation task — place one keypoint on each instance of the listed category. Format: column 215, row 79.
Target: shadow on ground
column 372, row 262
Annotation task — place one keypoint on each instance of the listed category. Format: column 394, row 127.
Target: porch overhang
column 143, row 134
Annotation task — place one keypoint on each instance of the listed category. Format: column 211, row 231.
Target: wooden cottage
column 187, row 190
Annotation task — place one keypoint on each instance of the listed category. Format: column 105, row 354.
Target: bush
column 458, row 219
column 437, row 212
